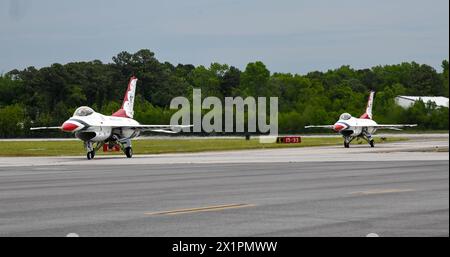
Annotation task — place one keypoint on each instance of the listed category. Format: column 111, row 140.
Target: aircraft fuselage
column 97, row 127
column 354, row 127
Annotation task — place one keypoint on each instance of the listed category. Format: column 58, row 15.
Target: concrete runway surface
column 397, row 189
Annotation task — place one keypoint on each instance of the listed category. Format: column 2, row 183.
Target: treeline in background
column 48, row 96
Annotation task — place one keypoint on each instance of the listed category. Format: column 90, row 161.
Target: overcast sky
column 287, row 35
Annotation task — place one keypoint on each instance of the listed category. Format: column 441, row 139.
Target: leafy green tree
column 254, row 80
column 210, row 79
column 445, row 77
column 11, row 90
column 12, row 121
column 230, row 81
column 49, row 95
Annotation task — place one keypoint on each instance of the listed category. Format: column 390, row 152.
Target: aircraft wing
column 380, row 126
column 43, row 128
column 320, row 126
column 395, row 126
column 153, row 128
column 157, row 128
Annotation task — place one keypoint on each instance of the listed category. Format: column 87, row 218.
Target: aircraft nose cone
column 338, row 127
column 69, row 126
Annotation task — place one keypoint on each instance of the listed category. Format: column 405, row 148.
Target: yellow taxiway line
column 381, row 191
column 201, row 209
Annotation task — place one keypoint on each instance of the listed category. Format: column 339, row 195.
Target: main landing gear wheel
column 372, row 143
column 129, row 152
column 90, row 155
column 346, row 145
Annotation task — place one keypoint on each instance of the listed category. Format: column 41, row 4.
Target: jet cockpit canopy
column 83, row 111
column 345, row 116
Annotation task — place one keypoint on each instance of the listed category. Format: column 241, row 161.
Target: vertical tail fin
column 126, row 110
column 368, row 113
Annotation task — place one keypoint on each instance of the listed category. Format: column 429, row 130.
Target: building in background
column 408, row 101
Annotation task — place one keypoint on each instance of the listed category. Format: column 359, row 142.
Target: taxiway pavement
column 398, row 189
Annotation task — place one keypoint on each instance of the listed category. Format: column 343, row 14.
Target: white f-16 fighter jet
column 363, row 127
column 115, row 131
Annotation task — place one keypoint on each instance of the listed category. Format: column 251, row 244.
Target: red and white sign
column 289, row 140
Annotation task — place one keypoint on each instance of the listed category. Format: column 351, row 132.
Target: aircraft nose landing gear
column 347, row 141
column 90, row 150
